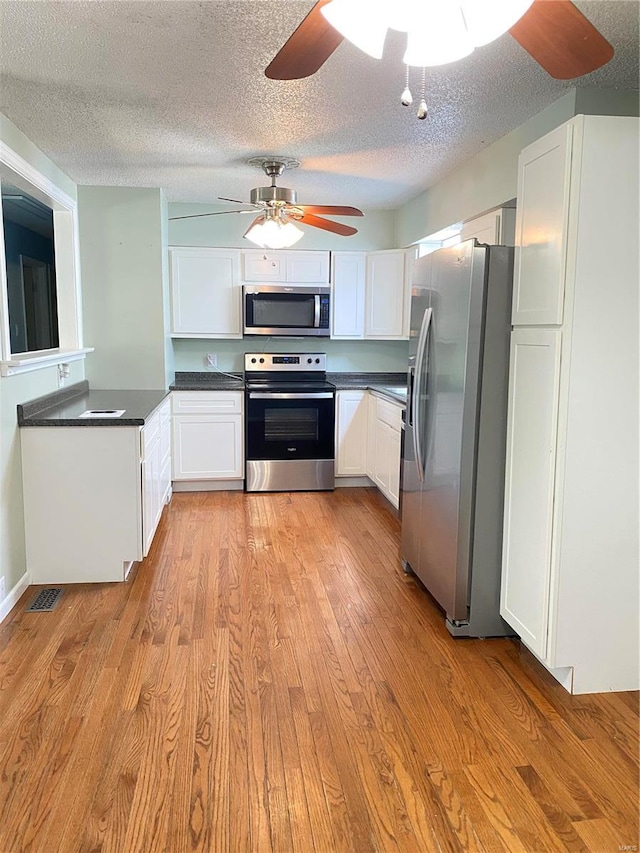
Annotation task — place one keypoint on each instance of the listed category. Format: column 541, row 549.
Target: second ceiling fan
column 554, row 32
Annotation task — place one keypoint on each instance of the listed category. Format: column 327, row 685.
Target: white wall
column 18, row 389
column 123, row 264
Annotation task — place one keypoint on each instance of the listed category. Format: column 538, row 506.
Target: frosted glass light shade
column 438, row 31
column 274, row 234
column 361, row 22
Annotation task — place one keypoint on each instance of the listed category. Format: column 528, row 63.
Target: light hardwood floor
column 270, row 680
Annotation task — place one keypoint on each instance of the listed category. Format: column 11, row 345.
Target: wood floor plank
column 269, row 679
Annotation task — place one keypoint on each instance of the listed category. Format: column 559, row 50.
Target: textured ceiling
column 172, row 94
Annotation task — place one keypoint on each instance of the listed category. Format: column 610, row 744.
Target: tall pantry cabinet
column 570, row 555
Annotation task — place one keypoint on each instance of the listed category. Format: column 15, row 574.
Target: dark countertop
column 63, row 407
column 207, row 381
column 388, row 384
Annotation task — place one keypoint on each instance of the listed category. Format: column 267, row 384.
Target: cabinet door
column 385, row 295
column 151, row 493
column 383, row 456
column 207, row 447
column 372, row 434
column 394, row 468
column 262, row 266
column 307, row 267
column 348, row 293
column 544, row 171
column 496, row 228
column 351, row 433
column 205, row 293
column 529, row 490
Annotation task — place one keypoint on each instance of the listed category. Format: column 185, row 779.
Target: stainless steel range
column 289, row 422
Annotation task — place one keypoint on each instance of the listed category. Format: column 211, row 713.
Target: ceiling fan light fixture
column 273, row 232
column 489, row 19
column 437, row 36
column 357, row 21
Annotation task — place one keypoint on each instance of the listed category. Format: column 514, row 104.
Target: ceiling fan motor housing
column 273, row 196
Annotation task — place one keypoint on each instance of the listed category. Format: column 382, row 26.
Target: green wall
column 123, row 265
column 19, row 388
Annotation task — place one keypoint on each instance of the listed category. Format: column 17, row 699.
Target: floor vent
column 45, row 600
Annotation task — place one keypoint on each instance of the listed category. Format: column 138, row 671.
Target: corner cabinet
column 387, row 295
column 570, row 551
column 495, row 228
column 351, row 433
column 93, row 497
column 206, row 297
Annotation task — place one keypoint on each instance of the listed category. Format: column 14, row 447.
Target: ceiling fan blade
column 234, row 200
column 561, row 39
column 255, row 222
column 330, row 209
column 327, row 225
column 217, row 213
column 307, row 48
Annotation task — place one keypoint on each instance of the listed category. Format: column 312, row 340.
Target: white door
column 529, row 491
column 205, row 293
column 385, row 295
column 351, row 433
column 544, row 172
column 307, row 267
column 207, row 447
column 347, row 295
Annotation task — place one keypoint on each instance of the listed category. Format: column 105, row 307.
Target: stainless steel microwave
column 280, row 309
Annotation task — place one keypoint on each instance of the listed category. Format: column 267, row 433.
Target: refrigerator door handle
column 421, row 366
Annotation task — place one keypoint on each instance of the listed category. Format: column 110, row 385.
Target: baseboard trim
column 13, row 597
column 208, row 485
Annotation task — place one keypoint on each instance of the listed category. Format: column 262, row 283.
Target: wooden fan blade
column 307, row 48
column 217, row 213
column 561, row 39
column 330, row 210
column 327, row 225
column 255, row 222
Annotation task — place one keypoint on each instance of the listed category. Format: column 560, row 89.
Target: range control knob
column 317, row 361
column 253, row 361
column 309, row 360
column 262, row 361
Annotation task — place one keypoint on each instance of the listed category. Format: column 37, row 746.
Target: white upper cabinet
column 205, row 293
column 542, row 217
column 348, row 294
column 266, row 266
column 386, row 305
column 495, row 228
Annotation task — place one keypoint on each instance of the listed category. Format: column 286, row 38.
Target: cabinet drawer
column 206, row 402
column 389, row 414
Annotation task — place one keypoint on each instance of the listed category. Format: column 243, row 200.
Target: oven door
column 290, row 425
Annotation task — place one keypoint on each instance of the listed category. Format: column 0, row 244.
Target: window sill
column 24, row 362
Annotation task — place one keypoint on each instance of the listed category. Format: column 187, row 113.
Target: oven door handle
column 303, row 395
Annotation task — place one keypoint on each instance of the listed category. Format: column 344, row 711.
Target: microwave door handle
column 316, row 313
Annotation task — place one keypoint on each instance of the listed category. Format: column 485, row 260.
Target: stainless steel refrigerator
column 455, row 432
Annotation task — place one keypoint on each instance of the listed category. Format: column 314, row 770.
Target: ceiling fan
column 275, row 227
column 554, row 32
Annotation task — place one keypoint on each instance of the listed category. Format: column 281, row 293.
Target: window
column 39, row 273
column 31, row 272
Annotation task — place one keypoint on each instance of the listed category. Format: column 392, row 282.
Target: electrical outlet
column 3, row 591
column 211, row 359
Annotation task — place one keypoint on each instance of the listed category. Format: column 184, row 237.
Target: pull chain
column 406, row 98
column 422, row 107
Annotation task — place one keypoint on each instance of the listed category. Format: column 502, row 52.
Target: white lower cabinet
column 208, row 434
column 93, row 497
column 368, row 430
column 156, row 470
column 351, row 433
